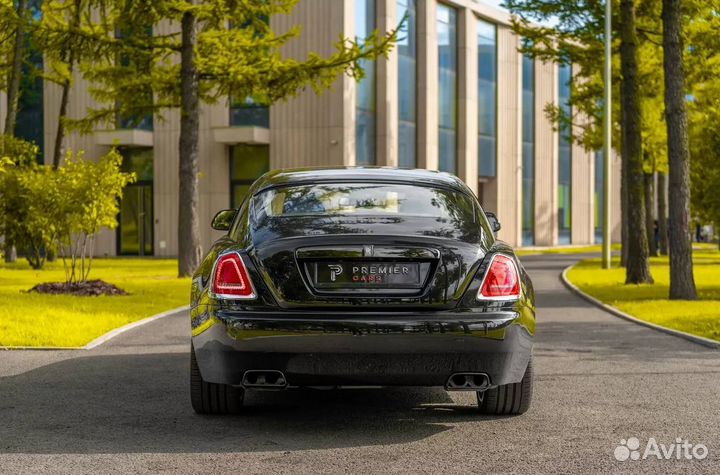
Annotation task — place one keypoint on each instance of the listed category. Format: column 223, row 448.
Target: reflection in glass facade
column 247, row 164
column 407, row 84
column 528, row 151
column 249, row 113
column 487, row 98
column 599, row 195
column 564, row 159
column 365, row 100
column 447, row 87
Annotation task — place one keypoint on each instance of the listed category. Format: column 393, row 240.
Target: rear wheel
column 212, row 398
column 508, row 399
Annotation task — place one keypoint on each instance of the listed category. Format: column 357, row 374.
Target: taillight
column 501, row 281
column 231, row 279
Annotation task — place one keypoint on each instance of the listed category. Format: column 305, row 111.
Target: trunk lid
column 369, row 271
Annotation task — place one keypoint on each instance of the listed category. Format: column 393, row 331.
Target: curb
column 706, row 342
column 102, row 338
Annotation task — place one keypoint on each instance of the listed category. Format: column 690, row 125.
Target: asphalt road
column 124, row 408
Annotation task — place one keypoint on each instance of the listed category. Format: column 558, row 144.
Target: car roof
column 293, row 176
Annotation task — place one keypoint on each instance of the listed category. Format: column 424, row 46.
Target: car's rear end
column 351, row 282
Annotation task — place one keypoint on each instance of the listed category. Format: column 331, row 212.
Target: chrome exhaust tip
column 264, row 379
column 468, row 382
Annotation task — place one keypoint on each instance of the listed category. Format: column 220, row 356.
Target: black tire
column 508, row 399
column 212, row 398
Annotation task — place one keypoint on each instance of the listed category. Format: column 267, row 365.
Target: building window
column 564, row 159
column 599, row 194
column 247, row 164
column 487, row 98
column 249, row 113
column 407, row 84
column 29, row 123
column 135, row 229
column 365, row 101
column 528, row 151
column 447, row 88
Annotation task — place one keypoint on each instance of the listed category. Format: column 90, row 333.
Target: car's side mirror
column 223, row 219
column 494, row 223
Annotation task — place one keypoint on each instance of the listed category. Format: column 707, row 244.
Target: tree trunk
column 682, row 283
column 650, row 221
column 67, row 56
column 662, row 213
column 13, row 90
column 189, row 251
column 60, row 133
column 10, row 252
column 638, row 268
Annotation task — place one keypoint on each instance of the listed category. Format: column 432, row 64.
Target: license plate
column 334, row 275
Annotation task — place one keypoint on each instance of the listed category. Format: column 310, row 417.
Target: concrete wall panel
column 427, row 120
column 546, row 158
column 387, row 89
column 311, row 129
column 583, row 186
column 509, row 159
column 467, row 99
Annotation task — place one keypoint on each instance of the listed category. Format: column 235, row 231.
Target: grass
column 563, row 250
column 650, row 302
column 31, row 319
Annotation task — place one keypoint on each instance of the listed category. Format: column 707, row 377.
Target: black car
column 361, row 277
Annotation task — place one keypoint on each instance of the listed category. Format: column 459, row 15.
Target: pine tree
column 682, row 282
column 69, row 32
column 571, row 32
column 13, row 24
column 220, row 48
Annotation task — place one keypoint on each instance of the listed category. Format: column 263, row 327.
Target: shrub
column 91, row 197
column 15, row 154
column 45, row 209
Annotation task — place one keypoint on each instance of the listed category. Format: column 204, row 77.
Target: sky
column 494, row 3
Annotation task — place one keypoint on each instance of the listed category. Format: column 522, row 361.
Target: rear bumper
column 361, row 349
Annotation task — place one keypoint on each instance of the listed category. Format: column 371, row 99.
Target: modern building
column 455, row 95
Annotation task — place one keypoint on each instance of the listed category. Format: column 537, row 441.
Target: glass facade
column 407, row 84
column 528, row 151
column 487, row 98
column 247, row 164
column 447, row 87
column 599, row 194
column 249, row 113
column 365, row 99
column 135, row 229
column 29, row 123
column 564, row 159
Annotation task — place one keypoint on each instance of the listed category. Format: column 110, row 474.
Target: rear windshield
column 362, row 199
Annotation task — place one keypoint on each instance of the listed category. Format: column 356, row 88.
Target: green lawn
column 31, row 319
column 563, row 250
column 650, row 302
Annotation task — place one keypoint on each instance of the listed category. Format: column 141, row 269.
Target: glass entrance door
column 135, row 230
column 136, row 221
